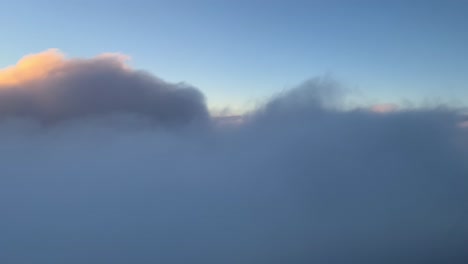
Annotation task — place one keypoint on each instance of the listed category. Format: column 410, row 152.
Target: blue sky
column 238, row 52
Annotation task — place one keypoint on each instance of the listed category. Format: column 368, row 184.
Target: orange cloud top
column 31, row 67
column 38, row 66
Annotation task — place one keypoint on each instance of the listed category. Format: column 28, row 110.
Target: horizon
column 240, row 52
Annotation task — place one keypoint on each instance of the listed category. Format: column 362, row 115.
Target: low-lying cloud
column 296, row 181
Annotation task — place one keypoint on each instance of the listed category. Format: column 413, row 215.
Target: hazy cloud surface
column 296, row 181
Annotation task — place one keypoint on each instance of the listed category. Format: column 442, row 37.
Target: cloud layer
column 295, row 181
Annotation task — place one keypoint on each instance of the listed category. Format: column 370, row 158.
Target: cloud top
column 32, row 67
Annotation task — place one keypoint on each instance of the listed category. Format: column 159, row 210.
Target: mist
column 106, row 176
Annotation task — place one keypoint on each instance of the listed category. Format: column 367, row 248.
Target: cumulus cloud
column 49, row 88
column 296, row 181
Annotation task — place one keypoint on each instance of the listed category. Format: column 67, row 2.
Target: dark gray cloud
column 296, row 181
column 88, row 88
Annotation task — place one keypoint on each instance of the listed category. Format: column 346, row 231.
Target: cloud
column 49, row 88
column 32, row 68
column 384, row 108
column 297, row 181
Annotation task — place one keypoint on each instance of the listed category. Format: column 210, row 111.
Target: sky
column 113, row 147
column 240, row 52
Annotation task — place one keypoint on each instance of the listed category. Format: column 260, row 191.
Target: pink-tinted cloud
column 384, row 108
